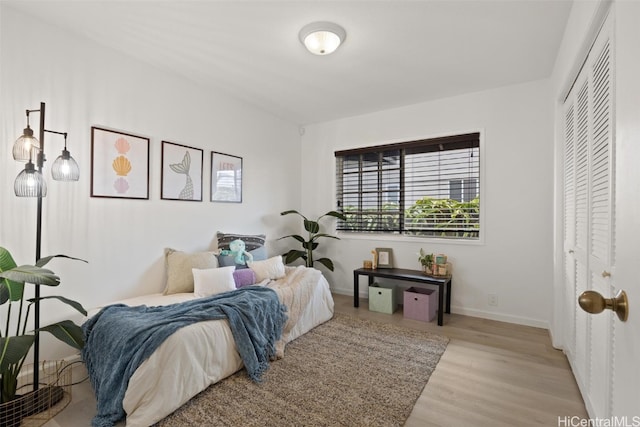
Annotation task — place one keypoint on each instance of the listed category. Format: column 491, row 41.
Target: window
column 463, row 190
column 423, row 188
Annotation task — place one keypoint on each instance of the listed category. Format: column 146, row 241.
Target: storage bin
column 420, row 304
column 382, row 298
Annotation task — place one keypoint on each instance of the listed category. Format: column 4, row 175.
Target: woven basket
column 35, row 408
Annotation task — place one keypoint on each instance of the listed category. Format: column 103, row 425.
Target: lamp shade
column 26, row 147
column 65, row 168
column 322, row 38
column 30, row 182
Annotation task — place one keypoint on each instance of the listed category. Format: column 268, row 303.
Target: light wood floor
column 492, row 374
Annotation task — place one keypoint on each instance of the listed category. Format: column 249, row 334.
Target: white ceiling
column 396, row 52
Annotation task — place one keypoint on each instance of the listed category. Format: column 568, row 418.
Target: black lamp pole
column 64, row 168
column 36, row 319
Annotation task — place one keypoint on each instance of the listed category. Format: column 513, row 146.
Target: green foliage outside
column 427, row 217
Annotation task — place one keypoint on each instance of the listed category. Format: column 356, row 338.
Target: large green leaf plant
column 15, row 340
column 311, row 242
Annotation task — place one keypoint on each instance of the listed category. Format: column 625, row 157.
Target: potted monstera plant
column 310, row 243
column 15, row 339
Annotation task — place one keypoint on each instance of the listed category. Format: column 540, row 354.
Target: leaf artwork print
column 183, row 168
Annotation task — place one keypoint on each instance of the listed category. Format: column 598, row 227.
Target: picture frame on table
column 226, row 178
column 384, row 257
column 119, row 164
column 182, row 168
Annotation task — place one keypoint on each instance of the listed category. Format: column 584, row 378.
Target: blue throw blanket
column 119, row 338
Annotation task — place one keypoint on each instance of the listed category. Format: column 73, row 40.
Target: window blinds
column 428, row 187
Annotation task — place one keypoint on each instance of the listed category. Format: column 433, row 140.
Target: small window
column 455, row 189
column 425, row 188
column 463, row 190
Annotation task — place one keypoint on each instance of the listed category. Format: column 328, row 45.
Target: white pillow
column 272, row 268
column 212, row 281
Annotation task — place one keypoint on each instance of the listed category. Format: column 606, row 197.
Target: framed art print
column 226, row 178
column 181, row 172
column 384, row 257
column 119, row 164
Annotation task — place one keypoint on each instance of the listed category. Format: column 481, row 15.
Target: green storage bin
column 382, row 298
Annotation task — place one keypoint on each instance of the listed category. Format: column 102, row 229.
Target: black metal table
column 415, row 276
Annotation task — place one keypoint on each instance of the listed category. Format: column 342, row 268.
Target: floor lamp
column 30, row 183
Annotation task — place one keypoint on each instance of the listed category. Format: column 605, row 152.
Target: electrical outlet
column 493, row 299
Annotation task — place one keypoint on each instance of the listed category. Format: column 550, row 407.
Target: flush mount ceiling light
column 322, row 38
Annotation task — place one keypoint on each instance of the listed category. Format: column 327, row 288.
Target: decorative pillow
column 251, row 241
column 178, row 266
column 244, row 277
column 259, row 254
column 212, row 281
column 272, row 268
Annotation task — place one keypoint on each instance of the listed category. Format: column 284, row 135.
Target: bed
column 203, row 353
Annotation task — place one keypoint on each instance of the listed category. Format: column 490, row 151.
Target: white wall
column 84, row 84
column 515, row 260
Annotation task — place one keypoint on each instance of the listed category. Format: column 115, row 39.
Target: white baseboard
column 73, row 358
column 501, row 317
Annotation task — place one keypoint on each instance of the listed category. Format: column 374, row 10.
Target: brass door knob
column 592, row 302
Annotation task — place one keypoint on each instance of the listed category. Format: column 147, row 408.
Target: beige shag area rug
column 345, row 372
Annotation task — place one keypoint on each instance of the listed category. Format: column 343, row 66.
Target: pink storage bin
column 420, row 304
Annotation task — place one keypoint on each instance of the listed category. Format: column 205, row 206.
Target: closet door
column 582, row 324
column 601, row 218
column 569, row 291
column 588, row 222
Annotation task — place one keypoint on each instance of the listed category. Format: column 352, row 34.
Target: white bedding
column 204, row 353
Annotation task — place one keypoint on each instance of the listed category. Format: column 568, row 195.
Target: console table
column 416, row 276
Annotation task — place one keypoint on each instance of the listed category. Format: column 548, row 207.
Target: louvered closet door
column 570, row 231
column 601, row 221
column 588, row 190
column 581, row 129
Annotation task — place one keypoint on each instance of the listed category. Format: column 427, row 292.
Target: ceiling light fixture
column 322, row 38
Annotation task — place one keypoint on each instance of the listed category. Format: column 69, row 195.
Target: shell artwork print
column 122, row 146
column 121, row 165
column 121, row 185
column 183, row 168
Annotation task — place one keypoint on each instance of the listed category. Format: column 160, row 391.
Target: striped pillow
column 251, row 241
